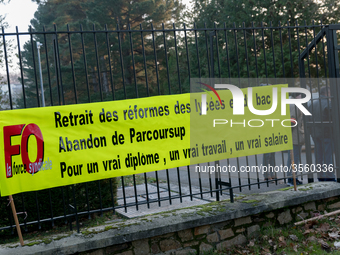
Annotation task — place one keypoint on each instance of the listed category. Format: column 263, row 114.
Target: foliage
column 315, row 237
column 263, row 52
column 111, row 70
column 266, row 11
column 58, row 202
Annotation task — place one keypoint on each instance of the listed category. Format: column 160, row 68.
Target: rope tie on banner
column 23, row 213
column 10, row 200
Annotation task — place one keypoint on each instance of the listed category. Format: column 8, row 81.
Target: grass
column 250, row 201
column 62, row 230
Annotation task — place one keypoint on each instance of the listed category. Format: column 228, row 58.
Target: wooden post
column 293, row 168
column 15, row 216
column 317, row 217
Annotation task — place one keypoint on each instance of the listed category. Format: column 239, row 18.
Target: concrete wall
column 196, row 229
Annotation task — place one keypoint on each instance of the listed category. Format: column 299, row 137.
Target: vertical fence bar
column 236, row 50
column 51, row 207
column 135, row 190
column 166, row 59
column 145, row 67
column 187, row 50
column 7, row 69
column 179, row 185
column 146, row 190
column 133, row 62
column 34, row 68
column 177, row 61
column 317, row 75
column 97, row 61
column 87, row 200
column 227, row 50
column 38, row 209
column 68, row 207
column 85, row 63
column 324, row 52
column 75, row 207
column 100, row 198
column 239, row 174
column 315, row 49
column 310, row 177
column 197, row 53
column 58, row 65
column 21, row 68
column 273, row 49
column 211, row 37
column 255, row 48
column 282, row 56
column 112, row 196
column 306, row 40
column 264, row 51
column 109, row 58
column 64, row 204
column 189, row 183
column 246, row 48
column 155, row 57
column 207, row 49
column 72, row 65
column 303, row 85
column 168, row 182
column 123, row 190
column 158, row 194
column 210, row 182
column 212, row 75
column 248, row 174
column 200, row 183
column 257, row 173
column 40, row 75
column 290, row 50
column 217, row 52
column 48, row 67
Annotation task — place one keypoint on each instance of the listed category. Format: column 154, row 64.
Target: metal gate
column 331, row 81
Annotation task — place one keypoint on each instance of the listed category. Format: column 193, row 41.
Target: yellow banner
column 221, row 134
column 62, row 145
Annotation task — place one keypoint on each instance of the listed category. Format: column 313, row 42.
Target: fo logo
column 10, row 150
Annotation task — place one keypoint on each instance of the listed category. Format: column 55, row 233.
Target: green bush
column 56, row 202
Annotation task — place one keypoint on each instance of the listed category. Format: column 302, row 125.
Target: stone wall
column 196, row 229
column 220, row 235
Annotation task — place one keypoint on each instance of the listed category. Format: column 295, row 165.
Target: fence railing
column 93, row 65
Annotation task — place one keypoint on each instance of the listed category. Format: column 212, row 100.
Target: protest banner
column 62, row 145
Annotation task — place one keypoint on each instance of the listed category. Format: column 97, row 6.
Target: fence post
column 333, row 67
column 308, row 146
column 212, row 75
column 56, row 67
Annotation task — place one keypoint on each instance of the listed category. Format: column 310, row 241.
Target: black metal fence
column 83, row 66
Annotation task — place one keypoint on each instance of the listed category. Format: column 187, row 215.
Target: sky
column 18, row 13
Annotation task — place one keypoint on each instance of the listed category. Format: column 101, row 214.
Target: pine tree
column 103, row 51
